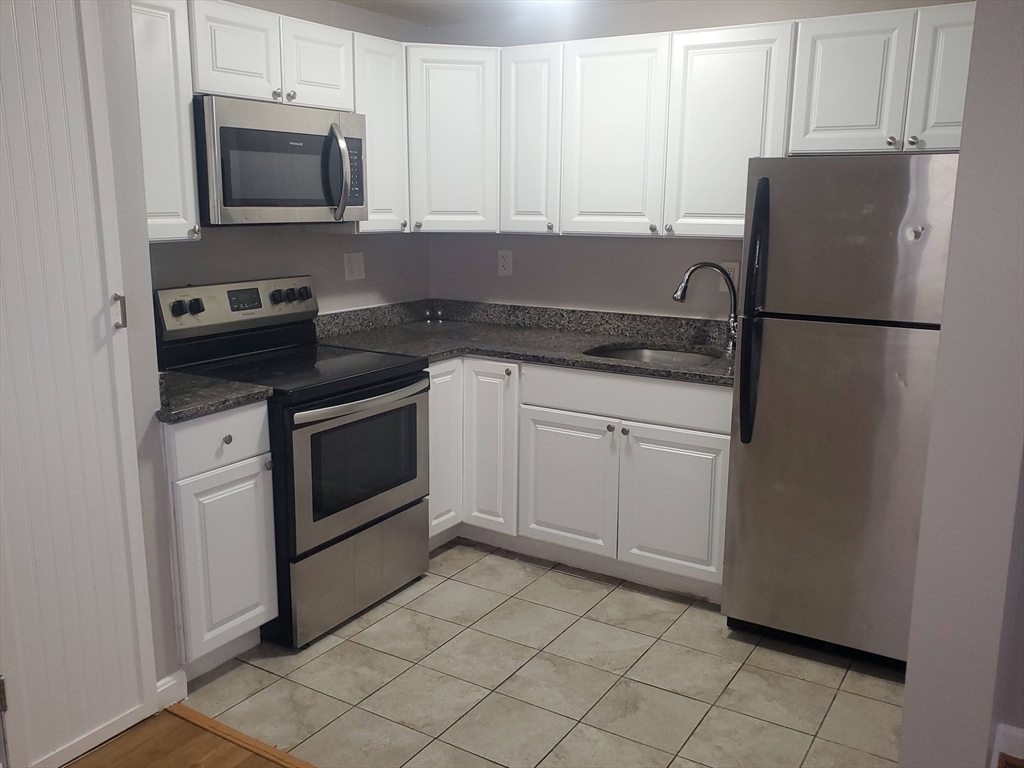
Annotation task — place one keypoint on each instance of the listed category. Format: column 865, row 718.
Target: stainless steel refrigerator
column 844, row 267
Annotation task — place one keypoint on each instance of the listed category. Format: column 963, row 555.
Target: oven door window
column 272, row 169
column 362, row 459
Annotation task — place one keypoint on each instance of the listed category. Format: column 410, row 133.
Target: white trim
column 226, row 652
column 171, row 689
column 1008, row 739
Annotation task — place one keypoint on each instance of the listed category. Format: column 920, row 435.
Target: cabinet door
column 316, row 63
column 614, row 148
column 569, row 480
column 163, row 68
column 490, row 430
column 938, row 78
column 531, row 138
column 672, row 494
column 728, row 101
column 453, row 138
column 380, row 96
column 850, row 82
column 445, row 445
column 236, row 50
column 225, row 542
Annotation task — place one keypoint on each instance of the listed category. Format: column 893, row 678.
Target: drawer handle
column 228, row 439
column 625, row 430
column 508, row 371
column 611, row 428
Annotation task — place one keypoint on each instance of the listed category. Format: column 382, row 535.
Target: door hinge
column 3, row 694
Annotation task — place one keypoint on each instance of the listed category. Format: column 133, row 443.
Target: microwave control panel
column 355, row 157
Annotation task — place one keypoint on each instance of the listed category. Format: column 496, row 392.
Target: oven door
column 263, row 163
column 357, row 461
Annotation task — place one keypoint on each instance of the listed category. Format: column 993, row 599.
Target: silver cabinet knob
column 668, row 227
column 611, row 428
column 196, row 230
column 654, row 227
column 268, row 466
column 291, row 95
column 508, row 371
column 551, row 226
column 276, row 93
column 625, row 430
column 891, row 141
column 405, row 224
column 418, row 224
column 912, row 140
column 228, row 439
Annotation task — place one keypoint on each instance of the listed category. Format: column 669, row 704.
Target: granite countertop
column 440, row 340
column 184, row 396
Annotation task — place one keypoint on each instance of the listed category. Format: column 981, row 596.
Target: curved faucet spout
column 680, row 294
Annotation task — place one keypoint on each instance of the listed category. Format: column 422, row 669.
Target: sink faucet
column 680, row 295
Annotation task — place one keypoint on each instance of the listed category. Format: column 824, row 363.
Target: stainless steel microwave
column 264, row 163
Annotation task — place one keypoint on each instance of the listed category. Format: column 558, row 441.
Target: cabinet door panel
column 531, row 138
column 445, row 445
column 453, row 138
column 850, row 83
column 569, row 479
column 938, row 79
column 225, row 521
column 614, row 148
column 163, row 69
column 317, row 65
column 728, row 100
column 490, row 429
column 236, row 50
column 380, row 96
column 672, row 494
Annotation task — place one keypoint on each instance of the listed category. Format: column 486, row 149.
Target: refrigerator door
column 824, row 501
column 861, row 237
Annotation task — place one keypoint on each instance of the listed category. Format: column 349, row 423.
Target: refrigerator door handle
column 755, row 283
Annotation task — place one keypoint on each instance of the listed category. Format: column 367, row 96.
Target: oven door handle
column 346, row 171
column 308, row 417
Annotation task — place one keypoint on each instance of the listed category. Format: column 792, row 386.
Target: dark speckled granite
column 373, row 317
column 184, row 396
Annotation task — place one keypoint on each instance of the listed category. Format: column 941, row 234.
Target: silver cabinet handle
column 508, row 371
column 668, row 227
column 405, row 224
column 551, row 226
column 891, row 141
column 228, row 439
column 268, row 466
column 653, row 227
column 912, row 140
column 291, row 95
column 307, row 417
column 418, row 224
column 625, row 430
column 122, row 305
column 276, row 93
column 196, row 230
column 611, row 428
column 346, row 172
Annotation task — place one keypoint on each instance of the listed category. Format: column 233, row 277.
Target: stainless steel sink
column 657, row 356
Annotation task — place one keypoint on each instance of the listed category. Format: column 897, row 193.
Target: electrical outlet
column 504, row 263
column 354, row 268
column 733, row 268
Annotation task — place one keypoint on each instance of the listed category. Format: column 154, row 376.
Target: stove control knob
column 289, row 295
column 195, row 306
column 305, row 294
column 276, row 296
column 178, row 307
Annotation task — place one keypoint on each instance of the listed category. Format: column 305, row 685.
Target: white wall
column 977, row 437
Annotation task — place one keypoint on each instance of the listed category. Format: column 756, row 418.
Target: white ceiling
column 434, row 13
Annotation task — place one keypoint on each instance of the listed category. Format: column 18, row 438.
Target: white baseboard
column 1008, row 739
column 439, row 539
column 171, row 689
column 226, row 652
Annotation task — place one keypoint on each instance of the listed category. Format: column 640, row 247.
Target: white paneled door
column 316, row 63
column 728, row 102
column 76, row 646
column 445, row 445
column 614, row 147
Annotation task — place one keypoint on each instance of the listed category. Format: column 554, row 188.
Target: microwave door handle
column 308, row 417
column 346, row 172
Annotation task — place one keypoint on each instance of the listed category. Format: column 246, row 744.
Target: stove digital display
column 246, row 298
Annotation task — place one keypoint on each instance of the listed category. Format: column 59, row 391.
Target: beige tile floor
column 497, row 659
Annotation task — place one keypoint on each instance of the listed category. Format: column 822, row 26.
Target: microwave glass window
column 362, row 459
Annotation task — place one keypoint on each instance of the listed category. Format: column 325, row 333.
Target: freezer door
column 824, row 501
column 861, row 237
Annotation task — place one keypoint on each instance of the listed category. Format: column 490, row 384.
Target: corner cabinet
column 531, row 138
column 446, row 452
column 164, row 77
column 728, row 102
column 614, row 135
column 380, row 96
column 453, row 138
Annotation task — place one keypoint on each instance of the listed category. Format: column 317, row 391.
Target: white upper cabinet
column 236, row 50
column 728, row 102
column 453, row 138
column 380, row 96
column 531, row 138
column 938, row 78
column 316, row 65
column 164, row 76
column 850, row 83
column 614, row 147
column 445, row 445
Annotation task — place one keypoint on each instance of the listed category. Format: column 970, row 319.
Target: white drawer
column 704, row 407
column 209, row 442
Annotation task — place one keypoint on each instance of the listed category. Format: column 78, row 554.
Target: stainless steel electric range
column 348, row 436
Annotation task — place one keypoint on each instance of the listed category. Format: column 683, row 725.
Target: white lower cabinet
column 225, row 543
column 445, row 445
column 569, row 479
column 490, row 435
column 672, row 493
